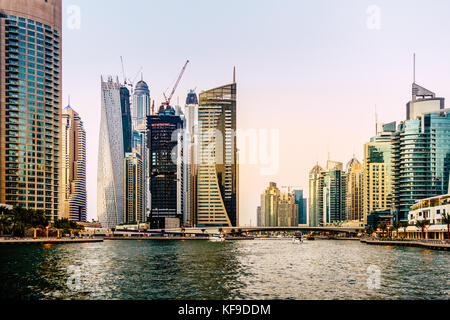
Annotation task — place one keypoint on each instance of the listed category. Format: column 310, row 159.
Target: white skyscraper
column 110, row 181
column 141, row 104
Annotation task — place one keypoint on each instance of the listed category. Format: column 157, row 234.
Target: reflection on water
column 261, row 269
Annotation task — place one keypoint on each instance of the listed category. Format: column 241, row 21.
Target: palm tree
column 397, row 225
column 421, row 225
column 383, row 227
column 446, row 220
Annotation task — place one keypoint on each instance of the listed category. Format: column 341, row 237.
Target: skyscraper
column 333, row 193
column 110, row 179
column 354, row 190
column 421, row 152
column 141, row 104
column 378, row 166
column 316, row 196
column 191, row 140
column 269, row 205
column 73, row 164
column 164, row 133
column 30, row 96
column 140, row 143
column 217, row 182
column 126, row 119
column 277, row 209
column 302, row 203
column 134, row 204
column 287, row 211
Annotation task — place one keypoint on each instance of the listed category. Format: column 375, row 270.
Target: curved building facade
column 73, row 182
column 110, row 178
column 217, row 185
column 30, row 104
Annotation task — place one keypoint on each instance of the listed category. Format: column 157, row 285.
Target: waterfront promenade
column 430, row 244
column 47, row 241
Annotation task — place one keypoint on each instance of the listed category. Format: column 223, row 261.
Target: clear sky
column 313, row 70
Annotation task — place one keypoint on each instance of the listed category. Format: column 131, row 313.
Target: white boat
column 216, row 239
column 298, row 239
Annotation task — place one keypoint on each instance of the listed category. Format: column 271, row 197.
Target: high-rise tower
column 165, row 167
column 30, row 104
column 73, row 174
column 110, row 191
column 421, row 151
column 134, row 205
column 354, row 190
column 191, row 136
column 126, row 120
column 141, row 104
column 316, row 196
column 217, row 196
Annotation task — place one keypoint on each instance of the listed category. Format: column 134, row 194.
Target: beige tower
column 73, row 167
column 354, row 190
column 30, row 104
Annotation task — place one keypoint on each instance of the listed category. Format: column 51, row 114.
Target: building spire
column 234, row 74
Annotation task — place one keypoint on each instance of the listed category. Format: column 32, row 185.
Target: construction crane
column 168, row 99
column 290, row 188
column 128, row 82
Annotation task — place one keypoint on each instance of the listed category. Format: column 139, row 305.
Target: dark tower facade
column 126, row 119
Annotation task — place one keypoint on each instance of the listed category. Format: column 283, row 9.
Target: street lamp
column 47, row 227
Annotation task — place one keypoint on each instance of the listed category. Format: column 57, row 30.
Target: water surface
column 260, row 269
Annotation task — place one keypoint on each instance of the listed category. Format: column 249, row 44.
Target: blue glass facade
column 302, row 207
column 422, row 160
column 30, row 93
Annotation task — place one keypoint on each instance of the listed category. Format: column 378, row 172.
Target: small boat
column 216, row 239
column 310, row 237
column 298, row 238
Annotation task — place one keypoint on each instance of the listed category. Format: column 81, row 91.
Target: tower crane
column 128, row 82
column 168, row 99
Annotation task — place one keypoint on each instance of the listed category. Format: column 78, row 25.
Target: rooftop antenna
column 414, row 68
column 376, row 120
column 234, row 74
column 123, row 71
column 69, row 100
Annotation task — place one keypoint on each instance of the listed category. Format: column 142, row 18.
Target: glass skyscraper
column 30, row 110
column 334, row 193
column 302, row 207
column 126, row 119
column 141, row 104
column 316, row 196
column 110, row 178
column 191, row 140
column 217, row 182
column 422, row 160
column 134, row 205
column 165, row 166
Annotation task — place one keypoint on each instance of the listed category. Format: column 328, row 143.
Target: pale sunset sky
column 314, row 70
